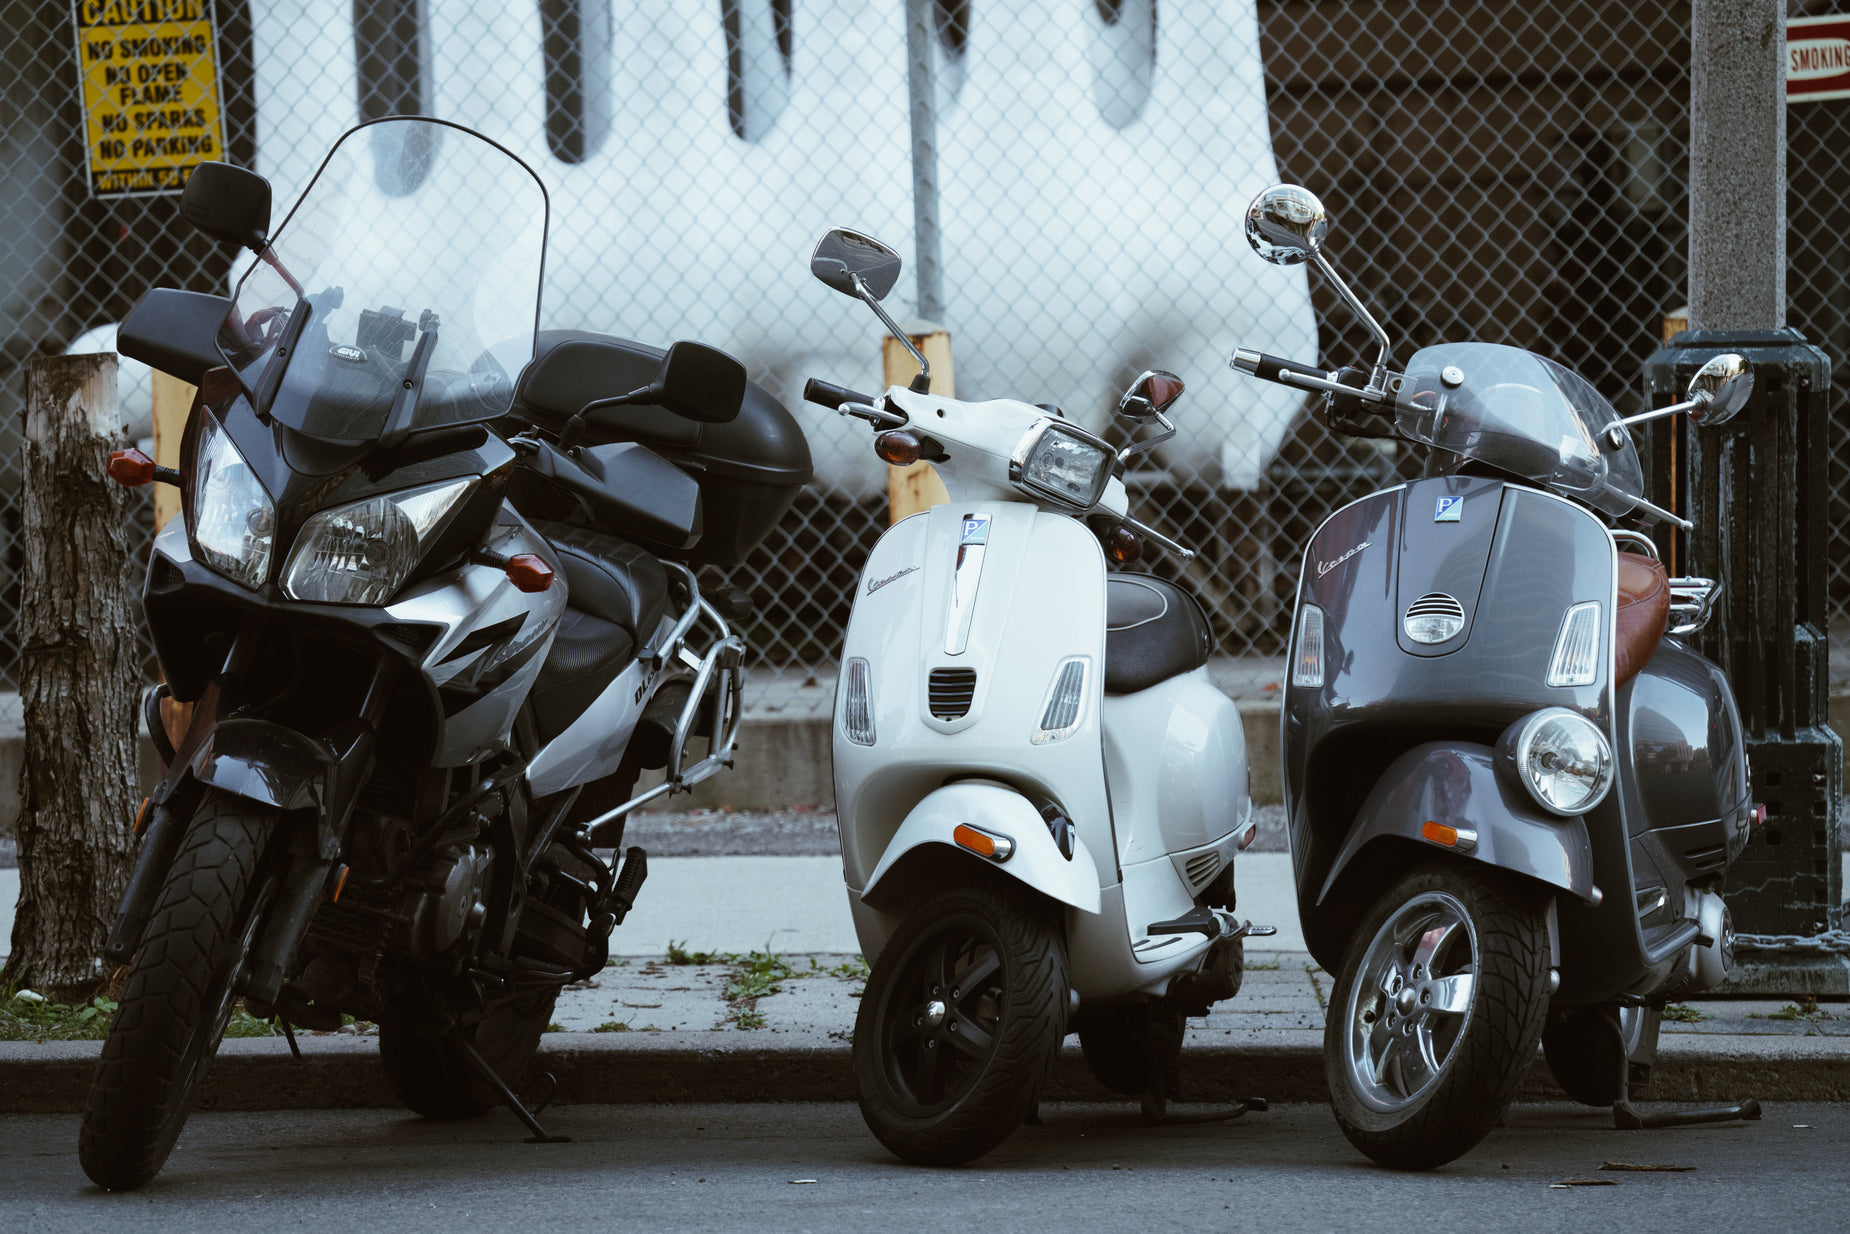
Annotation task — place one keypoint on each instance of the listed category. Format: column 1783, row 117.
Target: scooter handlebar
column 1270, row 368
column 831, row 396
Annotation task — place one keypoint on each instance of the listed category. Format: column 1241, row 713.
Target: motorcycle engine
column 453, row 902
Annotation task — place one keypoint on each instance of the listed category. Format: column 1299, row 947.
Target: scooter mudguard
column 1036, row 860
column 1449, row 797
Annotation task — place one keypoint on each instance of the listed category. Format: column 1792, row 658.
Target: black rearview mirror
column 841, row 255
column 701, row 383
column 1150, row 395
column 228, row 203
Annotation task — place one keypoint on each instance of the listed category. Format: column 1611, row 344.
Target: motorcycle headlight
column 233, row 519
column 362, row 553
column 1561, row 757
column 1062, row 463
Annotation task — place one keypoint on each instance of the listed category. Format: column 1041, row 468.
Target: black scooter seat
column 1153, row 631
column 617, row 594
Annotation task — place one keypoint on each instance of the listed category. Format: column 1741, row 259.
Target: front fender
column 1036, row 860
column 1456, row 785
column 266, row 763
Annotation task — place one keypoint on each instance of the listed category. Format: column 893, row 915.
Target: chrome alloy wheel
column 1411, row 1000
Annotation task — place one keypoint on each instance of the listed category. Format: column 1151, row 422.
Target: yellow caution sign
column 149, row 74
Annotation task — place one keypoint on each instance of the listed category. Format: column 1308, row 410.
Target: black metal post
column 1756, row 489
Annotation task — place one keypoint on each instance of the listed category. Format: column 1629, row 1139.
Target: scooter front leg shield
column 995, row 810
column 1447, row 796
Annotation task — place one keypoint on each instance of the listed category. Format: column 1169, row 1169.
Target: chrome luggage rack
column 716, row 677
column 1692, row 600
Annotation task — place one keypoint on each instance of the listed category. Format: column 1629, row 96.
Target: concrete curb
column 685, row 1067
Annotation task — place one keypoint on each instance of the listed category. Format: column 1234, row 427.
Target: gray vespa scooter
column 1513, row 791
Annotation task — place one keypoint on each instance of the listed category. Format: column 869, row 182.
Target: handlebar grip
column 832, row 396
column 1268, row 367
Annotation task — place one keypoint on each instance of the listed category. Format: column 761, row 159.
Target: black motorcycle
column 432, row 601
column 1513, row 790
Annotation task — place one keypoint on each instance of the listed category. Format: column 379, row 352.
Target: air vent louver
column 1200, row 868
column 951, row 691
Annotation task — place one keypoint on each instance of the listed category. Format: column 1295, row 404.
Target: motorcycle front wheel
column 1436, row 1013
column 963, row 1015
column 180, row 995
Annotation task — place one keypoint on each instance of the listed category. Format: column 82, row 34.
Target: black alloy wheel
column 963, row 1015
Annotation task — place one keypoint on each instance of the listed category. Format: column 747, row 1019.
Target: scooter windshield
column 1521, row 414
column 401, row 293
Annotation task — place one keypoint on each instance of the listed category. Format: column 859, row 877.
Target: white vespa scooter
column 1040, row 794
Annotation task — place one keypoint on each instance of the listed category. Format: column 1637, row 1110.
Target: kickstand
column 1627, row 1117
column 506, row 1094
column 1165, row 1069
column 289, row 1035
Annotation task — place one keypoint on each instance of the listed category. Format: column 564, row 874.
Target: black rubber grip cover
column 831, row 396
column 1269, row 367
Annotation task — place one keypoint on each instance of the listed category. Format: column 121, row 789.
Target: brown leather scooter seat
column 1644, row 610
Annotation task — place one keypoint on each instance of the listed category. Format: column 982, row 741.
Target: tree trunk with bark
column 79, row 678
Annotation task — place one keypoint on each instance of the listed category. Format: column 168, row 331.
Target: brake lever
column 1162, row 541
column 873, row 415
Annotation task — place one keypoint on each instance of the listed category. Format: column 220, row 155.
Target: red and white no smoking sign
column 1817, row 58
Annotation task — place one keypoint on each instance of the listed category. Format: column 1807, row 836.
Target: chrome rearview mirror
column 862, row 267
column 1150, row 395
column 1720, row 389
column 1286, row 224
column 855, row 265
column 1717, row 393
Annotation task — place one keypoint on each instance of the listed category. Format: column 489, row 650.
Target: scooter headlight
column 233, row 519
column 1063, row 463
column 1561, row 757
column 363, row 552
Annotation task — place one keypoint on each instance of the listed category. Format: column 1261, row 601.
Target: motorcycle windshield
column 1521, row 414
column 413, row 263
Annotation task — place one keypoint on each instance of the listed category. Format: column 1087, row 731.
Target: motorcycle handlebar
column 832, row 396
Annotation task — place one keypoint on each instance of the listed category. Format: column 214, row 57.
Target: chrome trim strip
column 972, row 540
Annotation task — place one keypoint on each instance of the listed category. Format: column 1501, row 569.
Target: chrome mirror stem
column 1377, row 380
column 860, row 289
column 1615, row 432
column 1143, row 447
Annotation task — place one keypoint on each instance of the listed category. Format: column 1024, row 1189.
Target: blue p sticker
column 1449, row 510
column 976, row 529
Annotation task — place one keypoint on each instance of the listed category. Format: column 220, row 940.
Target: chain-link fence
column 1508, row 172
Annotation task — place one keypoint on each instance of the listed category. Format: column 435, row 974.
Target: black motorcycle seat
column 1153, row 631
column 610, row 578
column 616, row 595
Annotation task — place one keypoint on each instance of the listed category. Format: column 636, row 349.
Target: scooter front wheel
column 964, row 1011
column 1436, row 1013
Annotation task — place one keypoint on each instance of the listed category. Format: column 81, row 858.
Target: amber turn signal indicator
column 983, row 843
column 1123, row 546
column 141, row 815
column 898, row 447
column 1439, row 833
column 131, row 468
column 529, row 572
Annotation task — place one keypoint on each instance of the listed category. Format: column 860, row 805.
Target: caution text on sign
column 148, row 70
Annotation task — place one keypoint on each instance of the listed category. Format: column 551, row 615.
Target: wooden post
column 915, row 488
column 78, row 672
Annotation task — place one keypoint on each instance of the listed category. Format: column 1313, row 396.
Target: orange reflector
column 141, row 815
column 900, row 448
column 340, row 883
column 131, row 468
column 984, row 844
column 1439, row 833
column 529, row 572
column 1123, row 546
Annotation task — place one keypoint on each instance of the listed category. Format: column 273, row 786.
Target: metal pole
column 1737, row 165
column 925, row 158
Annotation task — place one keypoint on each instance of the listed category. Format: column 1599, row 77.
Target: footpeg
column 629, row 882
column 1213, row 922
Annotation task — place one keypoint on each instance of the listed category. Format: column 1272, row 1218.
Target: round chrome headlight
column 1562, row 758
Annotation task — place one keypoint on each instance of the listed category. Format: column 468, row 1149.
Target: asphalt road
column 814, row 1167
